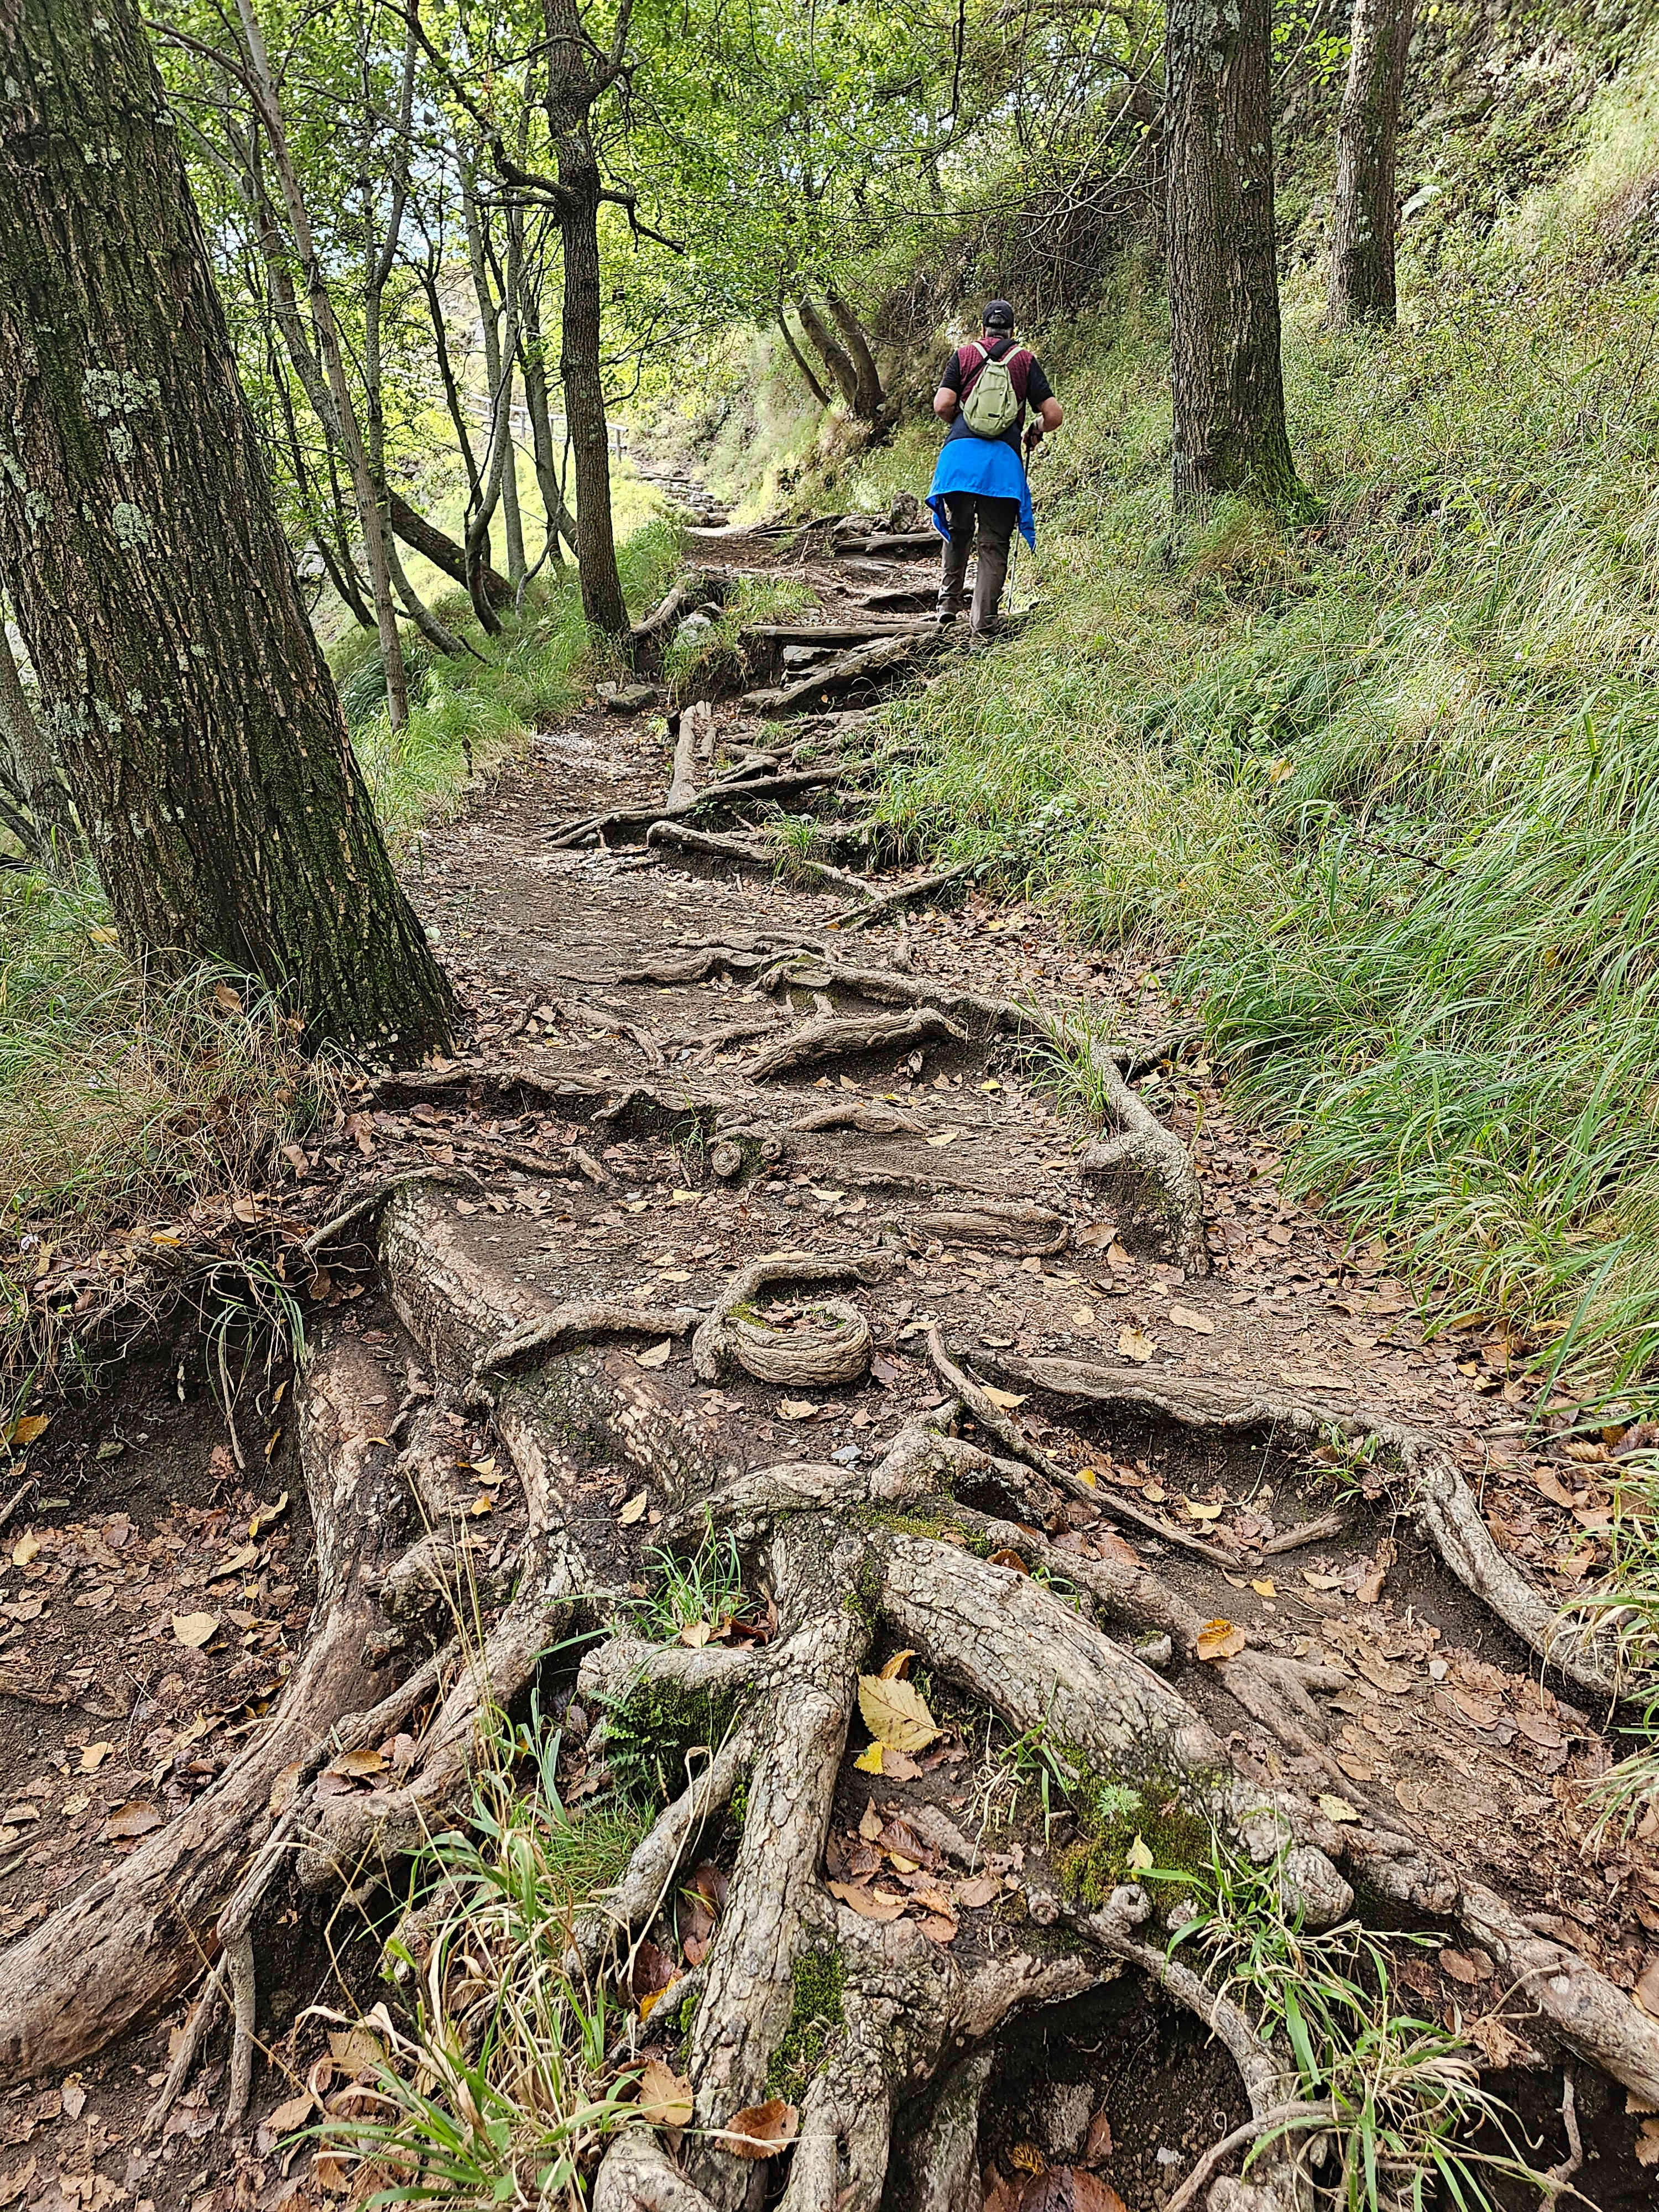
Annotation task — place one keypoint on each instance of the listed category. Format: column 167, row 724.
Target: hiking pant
column 994, row 519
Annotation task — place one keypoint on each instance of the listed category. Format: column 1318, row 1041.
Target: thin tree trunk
column 835, row 357
column 1363, row 220
column 35, row 772
column 194, row 717
column 424, row 537
column 800, row 359
column 1229, row 434
column 574, row 82
column 364, row 488
column 532, row 363
column 867, row 395
column 485, row 486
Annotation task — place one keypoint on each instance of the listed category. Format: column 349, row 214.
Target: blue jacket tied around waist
column 986, row 466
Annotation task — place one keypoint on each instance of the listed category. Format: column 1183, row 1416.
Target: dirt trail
column 1025, row 1415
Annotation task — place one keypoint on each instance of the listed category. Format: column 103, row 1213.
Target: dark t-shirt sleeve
column 951, row 379
column 1037, row 386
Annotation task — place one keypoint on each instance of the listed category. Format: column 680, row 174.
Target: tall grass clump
column 500, row 2083
column 124, row 1099
column 1382, row 793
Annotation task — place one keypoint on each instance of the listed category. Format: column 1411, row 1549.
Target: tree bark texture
column 1363, row 213
column 182, row 688
column 574, row 82
column 34, row 772
column 1229, row 434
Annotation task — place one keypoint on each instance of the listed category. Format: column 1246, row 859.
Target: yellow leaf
column 696, row 1635
column 194, row 1629
column 1203, row 1512
column 1220, row 1639
column 898, row 1664
column 1266, row 1587
column 635, row 1510
column 266, row 1514
column 101, row 936
column 684, row 1197
column 1087, row 1474
column 1135, row 1344
column 896, row 1712
column 27, row 1427
column 1005, row 1401
column 1337, row 1808
column 648, row 2004
column 170, row 1238
column 25, row 1549
column 1139, row 1859
column 482, row 1504
column 657, row 1356
column 869, row 1762
column 796, row 1409
column 94, row 1757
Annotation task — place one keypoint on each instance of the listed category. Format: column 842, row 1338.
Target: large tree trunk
column 835, row 357
column 1230, row 432
column 184, row 693
column 1363, row 213
column 573, row 83
column 867, row 395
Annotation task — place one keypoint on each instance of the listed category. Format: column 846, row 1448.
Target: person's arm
column 944, row 404
column 1053, row 414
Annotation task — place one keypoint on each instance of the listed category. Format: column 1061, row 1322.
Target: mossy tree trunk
column 577, row 73
column 180, row 684
column 1229, row 434
column 1363, row 220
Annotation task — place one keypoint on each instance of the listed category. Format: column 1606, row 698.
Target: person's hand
column 1033, row 437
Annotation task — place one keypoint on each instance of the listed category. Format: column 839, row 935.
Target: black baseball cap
column 998, row 316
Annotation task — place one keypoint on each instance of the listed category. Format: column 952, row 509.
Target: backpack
column 991, row 406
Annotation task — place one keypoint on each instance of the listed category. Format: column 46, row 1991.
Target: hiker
column 980, row 483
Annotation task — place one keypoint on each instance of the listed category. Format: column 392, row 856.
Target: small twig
column 1310, row 1532
column 1558, row 2177
column 203, row 2014
column 1281, row 2116
column 17, row 1497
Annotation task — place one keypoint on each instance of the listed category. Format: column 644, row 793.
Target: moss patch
column 820, row 1978
column 649, row 1734
column 1120, row 1823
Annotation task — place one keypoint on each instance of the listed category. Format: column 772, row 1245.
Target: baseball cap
column 998, row 316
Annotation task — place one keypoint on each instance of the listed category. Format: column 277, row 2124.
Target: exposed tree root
column 837, row 1037
column 737, row 792
column 717, row 1338
column 1146, row 1169
column 1435, row 1493
column 765, row 860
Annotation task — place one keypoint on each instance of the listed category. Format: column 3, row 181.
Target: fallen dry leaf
column 937, row 1929
column 664, row 2096
column 94, row 1757
column 293, row 2114
column 894, row 1712
column 1068, row 2189
column 1098, row 2142
column 1647, row 1989
column 1337, row 1809
column 652, row 1969
column 1203, row 1512
column 26, row 1428
column 869, row 1761
column 1184, row 1317
column 979, row 1892
column 796, row 1409
column 136, row 1819
column 1266, row 1587
column 898, row 1665
column 657, row 1356
column 1010, row 1559
column 1460, row 1968
column 868, row 1904
column 1005, row 1401
column 634, row 1510
column 1135, row 1344
column 26, row 1548
column 193, row 1629
column 761, row 2130
column 1220, row 1639
column 74, row 2096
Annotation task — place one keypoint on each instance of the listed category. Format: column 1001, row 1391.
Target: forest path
column 612, row 971
column 678, row 1065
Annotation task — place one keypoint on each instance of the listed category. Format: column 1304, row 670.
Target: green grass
column 498, row 2084
column 1392, row 2107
